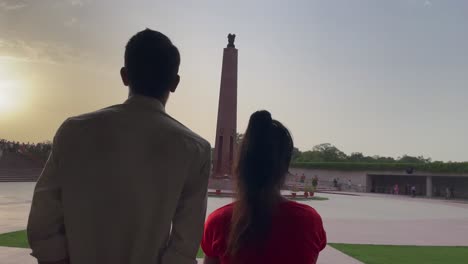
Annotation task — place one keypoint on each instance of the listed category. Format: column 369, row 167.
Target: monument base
column 221, row 183
column 222, row 177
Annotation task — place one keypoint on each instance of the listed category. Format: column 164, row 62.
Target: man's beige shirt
column 124, row 185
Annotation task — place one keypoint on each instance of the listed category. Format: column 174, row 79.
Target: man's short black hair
column 152, row 63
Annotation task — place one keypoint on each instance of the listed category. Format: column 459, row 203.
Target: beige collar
column 146, row 101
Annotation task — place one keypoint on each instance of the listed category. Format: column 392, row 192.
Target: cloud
column 427, row 3
column 45, row 52
column 79, row 3
column 71, row 22
column 76, row 2
column 9, row 5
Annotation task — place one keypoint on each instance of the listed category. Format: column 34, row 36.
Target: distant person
column 413, row 191
column 436, row 190
column 349, row 184
column 452, row 192
column 335, row 182
column 396, row 189
column 261, row 226
column 126, row 184
column 447, row 193
column 315, row 181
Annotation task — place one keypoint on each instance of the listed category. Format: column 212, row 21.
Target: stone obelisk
column 225, row 146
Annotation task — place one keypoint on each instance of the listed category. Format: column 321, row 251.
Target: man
column 452, row 192
column 126, row 184
column 315, row 181
column 303, row 177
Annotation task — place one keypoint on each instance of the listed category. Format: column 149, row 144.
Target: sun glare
column 8, row 95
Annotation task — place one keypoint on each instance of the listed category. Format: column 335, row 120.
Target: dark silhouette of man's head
column 151, row 65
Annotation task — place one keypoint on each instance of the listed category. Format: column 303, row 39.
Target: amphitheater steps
column 19, row 175
column 17, row 167
column 18, row 179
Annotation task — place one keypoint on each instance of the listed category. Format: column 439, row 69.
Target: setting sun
column 9, row 95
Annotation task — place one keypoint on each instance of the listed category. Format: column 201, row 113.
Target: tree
column 296, row 153
column 310, row 156
column 356, row 157
column 328, row 152
column 411, row 159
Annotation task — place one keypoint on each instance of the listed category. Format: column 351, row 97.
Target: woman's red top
column 297, row 236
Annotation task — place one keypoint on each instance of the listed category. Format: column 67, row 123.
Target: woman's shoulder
column 216, row 231
column 300, row 210
column 301, row 218
column 305, row 224
column 221, row 215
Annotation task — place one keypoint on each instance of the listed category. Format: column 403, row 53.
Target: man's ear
column 124, row 75
column 174, row 84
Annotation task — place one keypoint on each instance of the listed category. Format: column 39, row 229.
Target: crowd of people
column 39, row 150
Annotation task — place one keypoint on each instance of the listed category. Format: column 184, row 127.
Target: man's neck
column 162, row 100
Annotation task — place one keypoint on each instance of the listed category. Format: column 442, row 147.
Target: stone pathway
column 332, row 256
column 21, row 256
column 363, row 219
column 16, row 256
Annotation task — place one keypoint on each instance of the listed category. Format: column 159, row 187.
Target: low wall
column 221, row 184
column 358, row 180
column 346, row 180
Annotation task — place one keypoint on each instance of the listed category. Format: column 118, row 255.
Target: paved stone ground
column 21, row 256
column 15, row 201
column 16, row 256
column 366, row 219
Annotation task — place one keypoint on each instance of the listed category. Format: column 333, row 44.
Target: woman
column 262, row 226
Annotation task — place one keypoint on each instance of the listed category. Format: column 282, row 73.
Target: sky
column 380, row 77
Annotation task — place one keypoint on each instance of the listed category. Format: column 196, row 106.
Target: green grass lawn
column 14, row 239
column 383, row 254
column 18, row 239
column 200, row 253
column 369, row 254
